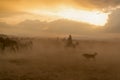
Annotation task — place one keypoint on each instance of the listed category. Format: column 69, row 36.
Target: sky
column 53, row 17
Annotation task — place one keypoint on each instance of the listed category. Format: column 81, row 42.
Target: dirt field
column 49, row 59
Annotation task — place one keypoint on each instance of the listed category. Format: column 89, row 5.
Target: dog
column 90, row 56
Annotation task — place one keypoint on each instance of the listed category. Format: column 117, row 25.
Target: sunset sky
column 59, row 17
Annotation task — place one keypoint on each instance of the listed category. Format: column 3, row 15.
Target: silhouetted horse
column 8, row 43
column 26, row 44
column 14, row 44
column 70, row 43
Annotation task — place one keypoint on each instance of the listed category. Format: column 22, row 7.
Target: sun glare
column 91, row 17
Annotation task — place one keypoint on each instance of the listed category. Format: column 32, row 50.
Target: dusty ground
column 50, row 60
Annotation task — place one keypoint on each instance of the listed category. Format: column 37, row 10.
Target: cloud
column 6, row 28
column 4, row 25
column 23, row 29
column 32, row 25
column 36, row 27
column 69, row 27
column 10, row 14
column 18, row 5
column 13, row 10
column 61, row 26
column 113, row 24
column 98, row 4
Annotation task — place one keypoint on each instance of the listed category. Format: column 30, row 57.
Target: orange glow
column 92, row 17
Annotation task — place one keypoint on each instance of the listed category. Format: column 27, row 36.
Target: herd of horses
column 15, row 44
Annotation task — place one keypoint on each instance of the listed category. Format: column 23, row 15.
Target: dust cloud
column 54, row 59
